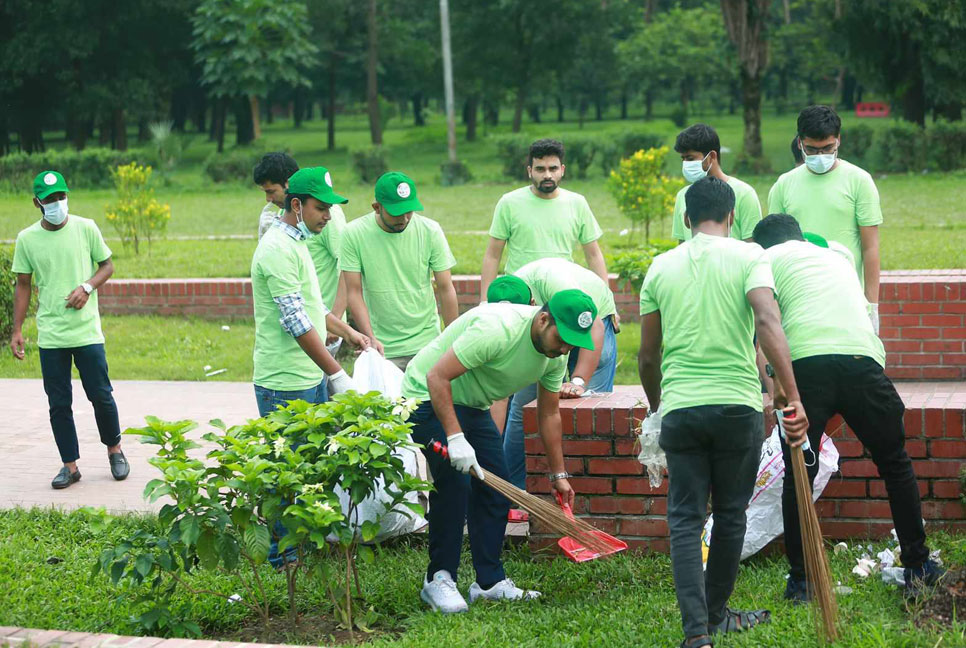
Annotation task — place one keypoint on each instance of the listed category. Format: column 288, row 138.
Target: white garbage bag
column 765, row 508
column 651, row 455
column 374, row 373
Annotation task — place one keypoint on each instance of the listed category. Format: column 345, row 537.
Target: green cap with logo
column 397, row 193
column 48, row 182
column 508, row 288
column 315, row 182
column 816, row 239
column 575, row 313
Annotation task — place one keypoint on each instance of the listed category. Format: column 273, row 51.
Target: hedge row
column 580, row 152
column 902, row 147
column 90, row 168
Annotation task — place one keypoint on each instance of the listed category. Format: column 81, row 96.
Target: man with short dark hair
column 797, row 154
column 833, row 198
column 542, row 219
column 68, row 257
column 271, row 174
column 701, row 305
column 700, row 151
column 838, row 363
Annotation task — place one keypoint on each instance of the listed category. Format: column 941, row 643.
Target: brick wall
column 615, row 496
column 208, row 298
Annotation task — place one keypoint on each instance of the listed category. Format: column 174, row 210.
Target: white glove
column 462, row 455
column 340, row 382
column 874, row 316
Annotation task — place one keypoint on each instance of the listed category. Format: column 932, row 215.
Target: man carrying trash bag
column 838, row 362
column 487, row 354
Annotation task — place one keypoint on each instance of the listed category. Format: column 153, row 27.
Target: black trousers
column 857, row 388
column 92, row 366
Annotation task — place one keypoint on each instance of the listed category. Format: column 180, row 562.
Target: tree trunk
column 472, row 108
column 144, row 133
column 534, row 111
column 372, row 82
column 599, row 108
column 624, row 103
column 751, row 98
column 518, row 107
column 219, row 113
column 491, row 112
column 200, row 108
column 256, row 117
column 120, row 130
column 560, row 109
column 104, row 130
column 913, row 101
column 298, row 108
column 244, row 126
column 581, row 111
column 848, row 92
column 745, row 22
column 31, row 135
column 78, row 132
column 330, row 112
column 417, row 101
column 649, row 104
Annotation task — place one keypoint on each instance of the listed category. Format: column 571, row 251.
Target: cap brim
column 330, row 198
column 580, row 339
column 51, row 190
column 403, row 207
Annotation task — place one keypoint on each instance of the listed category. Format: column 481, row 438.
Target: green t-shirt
column 549, row 276
column 324, row 249
column 833, row 204
column 396, row 282
column 534, row 228
column 283, row 266
column 493, row 342
column 700, row 288
column 60, row 261
column 824, row 310
column 747, row 212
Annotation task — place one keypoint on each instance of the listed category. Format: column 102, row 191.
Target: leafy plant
column 137, row 214
column 8, row 285
column 631, row 265
column 274, row 478
column 87, row 169
column 168, row 145
column 233, row 166
column 370, row 163
column 644, row 193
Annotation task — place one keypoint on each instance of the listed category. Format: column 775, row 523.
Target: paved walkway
column 29, row 455
column 37, row 638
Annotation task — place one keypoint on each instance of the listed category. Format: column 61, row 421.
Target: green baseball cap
column 818, row 240
column 315, row 182
column 509, row 288
column 48, row 182
column 575, row 313
column 397, row 193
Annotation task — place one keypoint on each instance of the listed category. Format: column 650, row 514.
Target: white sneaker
column 441, row 594
column 504, row 590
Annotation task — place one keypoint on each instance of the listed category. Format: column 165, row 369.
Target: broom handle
column 566, row 507
column 442, row 451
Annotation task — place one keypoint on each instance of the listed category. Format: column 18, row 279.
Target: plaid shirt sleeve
column 294, row 319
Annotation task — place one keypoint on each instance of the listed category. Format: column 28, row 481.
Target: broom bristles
column 817, row 572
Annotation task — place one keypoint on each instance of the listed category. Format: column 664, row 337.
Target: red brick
column 605, row 524
column 615, row 466
column 923, row 332
column 584, row 425
column 877, row 488
column 589, row 485
column 849, row 448
column 639, row 486
column 936, row 468
column 954, row 359
column 947, row 489
column 946, row 510
column 888, row 308
column 533, row 445
column 954, row 423
column 834, row 425
column 621, row 505
column 858, row 468
column 865, row 509
column 958, row 333
column 941, row 373
column 942, row 346
column 942, row 320
column 573, row 447
column 933, row 422
column 845, row 528
column 900, row 320
column 537, row 465
column 919, row 359
column 897, row 346
column 643, row 527
column 921, row 307
column 603, row 423
column 916, row 448
column 889, row 333
column 947, row 449
column 657, row 506
column 903, row 373
column 954, row 307
column 912, row 421
column 626, row 447
column 530, row 420
column 538, row 484
column 826, row 508
column 845, row 488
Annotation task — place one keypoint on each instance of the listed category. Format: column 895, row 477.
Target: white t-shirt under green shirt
column 747, row 211
column 493, row 342
column 700, row 288
column 536, row 228
column 549, row 276
column 60, row 261
column 824, row 310
column 833, row 205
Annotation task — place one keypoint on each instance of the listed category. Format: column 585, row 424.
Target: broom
column 546, row 513
column 817, row 572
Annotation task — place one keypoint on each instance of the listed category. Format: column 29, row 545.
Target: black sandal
column 697, row 642
column 736, row 621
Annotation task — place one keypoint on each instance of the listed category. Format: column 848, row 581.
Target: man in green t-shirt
column 487, row 354
column 70, row 261
column 542, row 219
column 700, row 151
column 701, row 305
column 838, row 363
column 386, row 260
column 833, row 198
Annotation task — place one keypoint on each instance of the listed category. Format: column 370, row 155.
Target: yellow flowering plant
column 644, row 193
column 137, row 215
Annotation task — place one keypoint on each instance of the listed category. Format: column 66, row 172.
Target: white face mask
column 693, row 170
column 821, row 163
column 56, row 213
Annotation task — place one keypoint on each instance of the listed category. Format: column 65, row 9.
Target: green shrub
column 579, row 153
column 631, row 265
column 137, row 215
column 747, row 165
column 8, row 284
column 88, row 169
column 370, row 163
column 512, row 150
column 946, row 146
column 631, row 142
column 234, row 166
column 679, row 116
column 454, row 173
column 857, row 144
column 900, row 147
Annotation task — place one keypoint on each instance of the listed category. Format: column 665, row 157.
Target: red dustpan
column 578, row 552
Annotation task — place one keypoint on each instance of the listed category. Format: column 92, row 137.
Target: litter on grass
column 215, row 372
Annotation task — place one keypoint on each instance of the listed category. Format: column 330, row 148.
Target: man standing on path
column 838, row 362
column 588, row 369
column 387, row 258
column 62, row 250
column 488, row 353
column 833, row 198
column 700, row 151
column 542, row 220
column 701, row 305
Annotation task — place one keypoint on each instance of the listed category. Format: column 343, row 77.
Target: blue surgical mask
column 821, row 163
column 56, row 213
column 306, row 232
column 693, row 170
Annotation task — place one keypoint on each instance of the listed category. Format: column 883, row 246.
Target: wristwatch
column 577, row 380
column 558, row 476
column 769, row 371
column 87, row 287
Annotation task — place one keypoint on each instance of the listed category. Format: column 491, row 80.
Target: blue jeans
column 601, row 382
column 459, row 498
column 268, row 401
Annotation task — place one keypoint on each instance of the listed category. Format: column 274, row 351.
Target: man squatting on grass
column 838, row 363
column 68, row 257
column 701, row 305
column 487, row 354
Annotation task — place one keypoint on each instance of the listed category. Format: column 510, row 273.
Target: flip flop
column 736, row 621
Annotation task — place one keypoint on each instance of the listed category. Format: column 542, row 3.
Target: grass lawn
column 623, row 601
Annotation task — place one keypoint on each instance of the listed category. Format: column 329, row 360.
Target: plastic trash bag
column 374, row 373
column 765, row 508
column 651, row 455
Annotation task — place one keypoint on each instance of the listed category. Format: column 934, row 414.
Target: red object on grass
column 578, row 552
column 871, row 109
